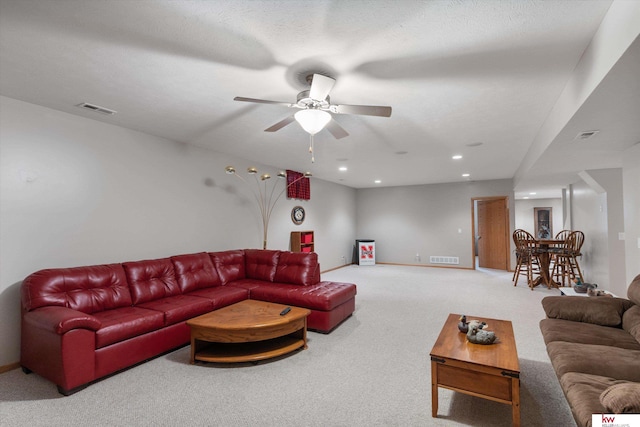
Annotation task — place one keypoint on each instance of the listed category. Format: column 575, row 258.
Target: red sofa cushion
column 124, row 323
column 221, row 296
column 151, row 280
column 297, row 268
column 87, row 289
column 180, row 307
column 229, row 265
column 322, row 296
column 195, row 271
column 261, row 264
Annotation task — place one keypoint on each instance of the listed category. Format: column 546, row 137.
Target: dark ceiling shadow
column 149, row 26
column 524, row 61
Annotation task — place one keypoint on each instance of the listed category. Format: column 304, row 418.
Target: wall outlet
column 620, row 236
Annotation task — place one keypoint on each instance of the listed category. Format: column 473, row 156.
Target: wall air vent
column 97, row 109
column 586, row 135
column 444, row 260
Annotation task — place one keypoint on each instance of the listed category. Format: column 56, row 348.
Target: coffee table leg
column 193, row 350
column 515, row 396
column 434, row 389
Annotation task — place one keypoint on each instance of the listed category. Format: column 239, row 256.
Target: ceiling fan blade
column 261, row 101
column 320, row 87
column 363, row 110
column 280, row 124
column 336, row 130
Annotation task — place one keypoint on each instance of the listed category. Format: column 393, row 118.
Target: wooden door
column 493, row 242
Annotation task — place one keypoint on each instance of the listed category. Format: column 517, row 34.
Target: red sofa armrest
column 61, row 319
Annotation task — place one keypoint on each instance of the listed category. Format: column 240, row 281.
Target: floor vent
column 96, row 108
column 444, row 260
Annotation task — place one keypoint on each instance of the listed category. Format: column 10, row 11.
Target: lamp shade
column 311, row 120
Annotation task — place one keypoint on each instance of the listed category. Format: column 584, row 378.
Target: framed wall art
column 543, row 223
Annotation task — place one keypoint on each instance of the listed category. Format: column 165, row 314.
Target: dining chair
column 526, row 255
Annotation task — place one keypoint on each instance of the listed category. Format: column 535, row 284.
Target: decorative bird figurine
column 476, row 335
column 463, row 325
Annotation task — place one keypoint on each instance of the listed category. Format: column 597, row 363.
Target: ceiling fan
column 315, row 106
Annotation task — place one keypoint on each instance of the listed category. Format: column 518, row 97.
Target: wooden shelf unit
column 302, row 241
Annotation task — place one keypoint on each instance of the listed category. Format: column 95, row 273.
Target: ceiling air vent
column 586, row 135
column 97, row 109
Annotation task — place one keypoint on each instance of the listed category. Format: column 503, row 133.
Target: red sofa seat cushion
column 229, row 265
column 221, row 296
column 297, row 268
column 124, row 323
column 87, row 289
column 195, row 271
column 261, row 264
column 151, row 280
column 322, row 296
column 180, row 307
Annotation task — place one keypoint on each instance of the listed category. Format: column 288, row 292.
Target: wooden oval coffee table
column 247, row 331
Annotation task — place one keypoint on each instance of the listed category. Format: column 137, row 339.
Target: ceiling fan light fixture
column 312, row 120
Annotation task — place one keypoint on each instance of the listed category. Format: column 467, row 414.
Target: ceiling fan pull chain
column 311, row 148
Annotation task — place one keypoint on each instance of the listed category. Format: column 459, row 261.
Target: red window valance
column 298, row 186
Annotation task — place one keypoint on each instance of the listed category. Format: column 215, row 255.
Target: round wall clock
column 297, row 215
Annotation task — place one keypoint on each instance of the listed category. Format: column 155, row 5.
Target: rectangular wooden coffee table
column 487, row 371
column 250, row 330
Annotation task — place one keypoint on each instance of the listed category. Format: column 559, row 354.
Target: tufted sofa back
column 195, row 271
column 103, row 287
column 229, row 265
column 151, row 280
column 261, row 264
column 297, row 268
column 86, row 289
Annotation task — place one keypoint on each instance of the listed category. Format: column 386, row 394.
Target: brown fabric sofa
column 594, row 347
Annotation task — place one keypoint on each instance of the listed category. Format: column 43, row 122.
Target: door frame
column 507, row 228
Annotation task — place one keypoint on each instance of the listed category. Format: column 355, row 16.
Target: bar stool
column 526, row 255
column 566, row 267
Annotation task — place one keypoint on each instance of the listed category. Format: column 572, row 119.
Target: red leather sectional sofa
column 81, row 324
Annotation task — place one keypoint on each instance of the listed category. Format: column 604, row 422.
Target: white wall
column 75, row 191
column 597, row 210
column 424, row 219
column 524, row 218
column 631, row 196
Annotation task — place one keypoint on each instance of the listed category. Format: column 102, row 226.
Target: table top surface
column 453, row 344
column 248, row 314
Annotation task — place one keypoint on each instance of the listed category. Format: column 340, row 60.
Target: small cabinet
column 302, row 241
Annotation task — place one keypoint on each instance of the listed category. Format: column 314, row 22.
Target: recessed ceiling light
column 466, row 175
column 456, row 157
column 377, row 181
column 525, row 197
column 474, row 144
column 532, row 193
column 342, row 168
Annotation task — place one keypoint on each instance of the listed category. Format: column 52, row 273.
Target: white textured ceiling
column 456, row 73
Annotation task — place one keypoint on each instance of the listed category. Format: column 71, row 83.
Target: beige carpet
column 373, row 370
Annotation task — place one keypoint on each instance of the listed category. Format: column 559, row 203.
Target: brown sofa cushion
column 599, row 311
column 631, row 322
column 586, row 333
column 583, row 394
column 633, row 292
column 622, row 398
column 614, row 362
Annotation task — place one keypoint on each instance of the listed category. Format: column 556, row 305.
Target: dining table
column 544, row 250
